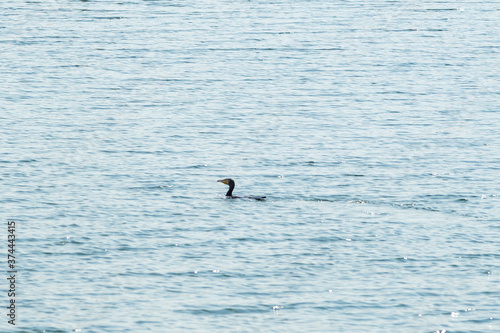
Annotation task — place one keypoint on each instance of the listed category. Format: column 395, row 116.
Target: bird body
column 229, row 194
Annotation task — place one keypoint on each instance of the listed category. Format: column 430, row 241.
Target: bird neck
column 230, row 191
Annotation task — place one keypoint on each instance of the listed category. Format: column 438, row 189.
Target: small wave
column 228, row 310
column 152, row 187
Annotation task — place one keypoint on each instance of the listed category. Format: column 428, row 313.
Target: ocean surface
column 373, row 128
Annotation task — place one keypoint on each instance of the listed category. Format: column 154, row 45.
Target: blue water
column 372, row 128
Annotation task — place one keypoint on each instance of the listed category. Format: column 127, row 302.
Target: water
column 373, row 130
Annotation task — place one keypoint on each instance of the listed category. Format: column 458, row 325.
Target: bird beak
column 222, row 181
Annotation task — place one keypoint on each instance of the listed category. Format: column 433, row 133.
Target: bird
column 229, row 194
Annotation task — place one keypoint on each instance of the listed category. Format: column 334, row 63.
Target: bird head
column 226, row 181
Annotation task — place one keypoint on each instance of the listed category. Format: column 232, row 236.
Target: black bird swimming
column 229, row 194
